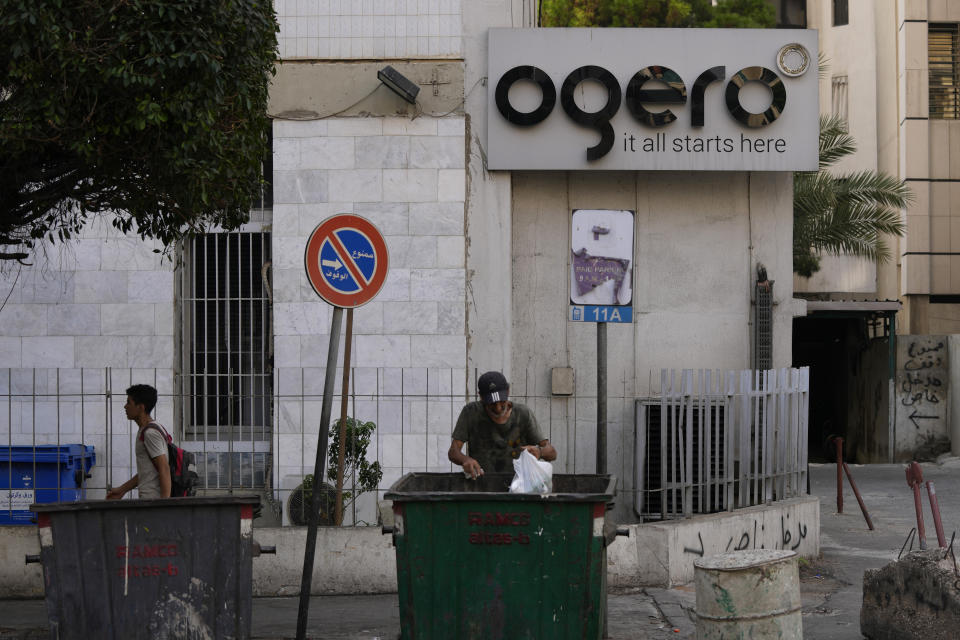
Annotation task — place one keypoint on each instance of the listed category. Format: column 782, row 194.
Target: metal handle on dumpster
column 259, row 549
column 388, row 528
column 611, row 531
column 31, row 559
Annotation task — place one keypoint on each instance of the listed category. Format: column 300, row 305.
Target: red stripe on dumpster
column 246, row 512
column 599, row 510
column 43, row 520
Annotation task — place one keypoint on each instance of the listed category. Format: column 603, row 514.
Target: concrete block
column 129, row 254
column 127, row 319
column 355, row 126
column 410, row 185
column 437, row 218
column 286, row 351
column 150, row 286
column 451, row 185
column 438, row 351
column 301, row 318
column 666, row 550
column 412, row 252
column 348, row 560
column 397, row 286
column 48, row 351
column 382, row 351
column 299, row 187
column 51, row 288
column 10, row 349
column 445, row 285
column 446, row 152
column 383, row 152
column 23, row 320
column 328, row 153
column 298, row 129
column 356, row 185
column 453, row 126
column 451, row 252
column 150, row 351
column 391, row 218
column 286, row 283
column 101, row 286
column 286, row 153
column 411, row 317
column 915, row 597
column 451, row 318
column 21, row 580
column 407, row 127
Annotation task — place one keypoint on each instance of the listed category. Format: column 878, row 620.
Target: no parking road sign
column 346, row 260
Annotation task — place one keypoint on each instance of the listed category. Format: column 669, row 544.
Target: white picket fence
column 715, row 441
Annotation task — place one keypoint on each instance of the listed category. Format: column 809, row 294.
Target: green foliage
column 657, row 13
column 357, row 435
column 843, row 214
column 154, row 110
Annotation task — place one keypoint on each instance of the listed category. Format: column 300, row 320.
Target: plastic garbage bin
column 44, row 473
column 475, row 561
column 168, row 568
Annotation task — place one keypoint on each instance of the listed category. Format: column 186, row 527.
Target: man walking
column 153, row 470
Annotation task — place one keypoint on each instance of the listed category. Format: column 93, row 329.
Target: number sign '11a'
column 601, row 313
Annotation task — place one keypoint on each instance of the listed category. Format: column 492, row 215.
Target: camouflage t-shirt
column 494, row 445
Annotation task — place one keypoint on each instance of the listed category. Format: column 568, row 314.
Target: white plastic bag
column 531, row 475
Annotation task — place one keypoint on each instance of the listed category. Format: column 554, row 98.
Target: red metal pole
column 935, row 509
column 915, row 479
column 853, row 485
column 838, row 443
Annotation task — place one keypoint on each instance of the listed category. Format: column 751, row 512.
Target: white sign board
column 653, row 99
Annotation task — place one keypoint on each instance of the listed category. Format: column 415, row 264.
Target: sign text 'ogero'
column 653, row 99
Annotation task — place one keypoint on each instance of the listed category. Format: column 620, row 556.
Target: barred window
column 841, row 13
column 839, row 96
column 226, row 365
column 942, row 43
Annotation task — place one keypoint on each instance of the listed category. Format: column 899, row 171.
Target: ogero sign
column 653, row 99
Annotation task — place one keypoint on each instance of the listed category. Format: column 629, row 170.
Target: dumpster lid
column 100, row 505
column 420, row 486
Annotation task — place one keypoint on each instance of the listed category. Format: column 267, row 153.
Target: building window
column 841, row 13
column 839, row 96
column 226, row 359
column 942, row 44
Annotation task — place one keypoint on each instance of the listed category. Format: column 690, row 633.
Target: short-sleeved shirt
column 494, row 445
column 151, row 445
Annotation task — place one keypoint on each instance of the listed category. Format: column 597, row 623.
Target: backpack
column 183, row 469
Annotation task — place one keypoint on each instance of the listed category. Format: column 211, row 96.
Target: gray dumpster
column 174, row 568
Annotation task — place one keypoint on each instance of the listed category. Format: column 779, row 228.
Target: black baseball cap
column 492, row 387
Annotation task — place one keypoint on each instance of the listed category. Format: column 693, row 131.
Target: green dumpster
column 477, row 562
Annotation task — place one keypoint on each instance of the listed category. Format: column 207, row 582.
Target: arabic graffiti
column 753, row 536
column 922, row 378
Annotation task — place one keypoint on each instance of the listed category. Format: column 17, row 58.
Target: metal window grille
column 226, row 367
column 841, row 13
column 944, row 67
column 839, row 96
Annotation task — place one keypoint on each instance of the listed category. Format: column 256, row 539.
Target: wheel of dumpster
column 298, row 507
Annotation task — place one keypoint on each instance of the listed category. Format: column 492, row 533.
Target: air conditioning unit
column 664, row 470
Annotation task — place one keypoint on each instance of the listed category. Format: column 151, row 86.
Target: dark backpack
column 183, row 468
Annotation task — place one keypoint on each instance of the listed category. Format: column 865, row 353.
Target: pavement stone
column 831, row 586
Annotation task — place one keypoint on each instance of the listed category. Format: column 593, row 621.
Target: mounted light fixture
column 399, row 84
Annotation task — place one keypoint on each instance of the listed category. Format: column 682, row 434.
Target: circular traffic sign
column 346, row 260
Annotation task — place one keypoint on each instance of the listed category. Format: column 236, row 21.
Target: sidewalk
column 831, row 587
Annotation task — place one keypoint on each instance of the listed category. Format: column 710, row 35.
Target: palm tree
column 843, row 214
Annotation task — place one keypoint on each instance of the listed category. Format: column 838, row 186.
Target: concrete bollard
column 748, row 594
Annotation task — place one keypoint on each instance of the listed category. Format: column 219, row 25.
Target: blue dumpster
column 40, row 474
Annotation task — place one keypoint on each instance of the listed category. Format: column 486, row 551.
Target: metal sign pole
column 601, row 397
column 342, row 449
column 311, row 545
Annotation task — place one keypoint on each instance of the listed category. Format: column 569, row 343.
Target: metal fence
column 718, row 441
column 754, row 415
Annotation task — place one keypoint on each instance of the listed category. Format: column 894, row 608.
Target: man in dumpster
column 497, row 430
column 153, row 470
